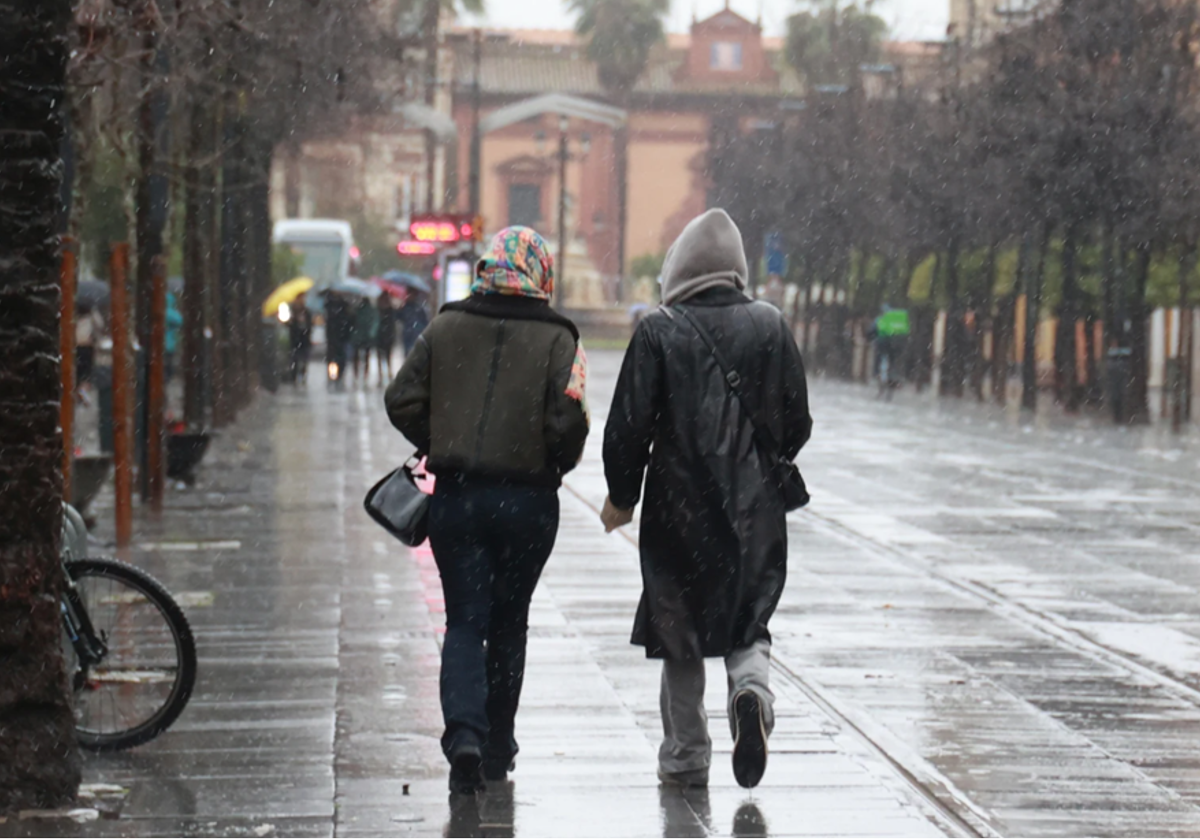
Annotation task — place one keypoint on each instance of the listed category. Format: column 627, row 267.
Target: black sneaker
column 749, row 739
column 466, row 764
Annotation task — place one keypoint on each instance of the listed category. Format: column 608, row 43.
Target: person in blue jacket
column 174, row 324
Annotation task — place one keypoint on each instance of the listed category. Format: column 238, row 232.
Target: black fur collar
column 516, row 307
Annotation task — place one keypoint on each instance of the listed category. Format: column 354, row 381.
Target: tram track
column 946, row 806
column 953, row 809
column 950, row 808
column 1012, row 609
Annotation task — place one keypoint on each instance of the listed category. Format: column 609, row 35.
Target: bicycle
column 130, row 652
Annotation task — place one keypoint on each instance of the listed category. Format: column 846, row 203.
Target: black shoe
column 497, row 771
column 466, row 763
column 749, row 740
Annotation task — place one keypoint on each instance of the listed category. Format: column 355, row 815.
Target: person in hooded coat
column 494, row 392
column 713, row 537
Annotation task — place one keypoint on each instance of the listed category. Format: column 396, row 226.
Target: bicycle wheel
column 148, row 667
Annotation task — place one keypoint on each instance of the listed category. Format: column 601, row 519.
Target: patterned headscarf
column 518, row 262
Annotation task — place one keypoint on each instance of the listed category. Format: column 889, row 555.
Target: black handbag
column 787, row 474
column 399, row 505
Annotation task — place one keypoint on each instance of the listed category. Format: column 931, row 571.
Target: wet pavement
column 990, row 628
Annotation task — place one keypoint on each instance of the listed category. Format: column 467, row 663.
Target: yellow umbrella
column 286, row 293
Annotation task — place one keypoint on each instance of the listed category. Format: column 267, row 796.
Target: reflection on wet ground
column 990, row 627
column 489, row 814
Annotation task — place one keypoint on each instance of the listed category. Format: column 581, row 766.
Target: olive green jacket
column 484, row 392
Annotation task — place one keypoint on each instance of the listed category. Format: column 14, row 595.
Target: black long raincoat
column 713, row 531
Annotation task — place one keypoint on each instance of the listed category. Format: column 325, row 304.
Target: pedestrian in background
column 713, row 537
column 385, row 336
column 88, row 328
column 171, row 340
column 337, row 336
column 362, row 338
column 300, row 339
column 493, row 391
column 414, row 317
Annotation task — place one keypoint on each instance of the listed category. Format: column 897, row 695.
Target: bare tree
column 1065, row 148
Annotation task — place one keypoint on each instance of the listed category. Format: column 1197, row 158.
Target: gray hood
column 707, row 254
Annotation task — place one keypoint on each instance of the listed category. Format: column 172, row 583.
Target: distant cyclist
column 891, row 337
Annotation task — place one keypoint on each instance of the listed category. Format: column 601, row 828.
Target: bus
column 324, row 248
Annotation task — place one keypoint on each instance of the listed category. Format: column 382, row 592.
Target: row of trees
column 1059, row 163
column 176, row 110
column 151, row 121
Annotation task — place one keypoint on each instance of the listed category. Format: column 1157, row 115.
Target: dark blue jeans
column 491, row 541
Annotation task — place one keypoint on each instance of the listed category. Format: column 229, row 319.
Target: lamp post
column 473, row 186
column 564, row 157
column 565, row 108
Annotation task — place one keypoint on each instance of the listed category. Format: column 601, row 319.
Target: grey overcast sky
column 909, row 19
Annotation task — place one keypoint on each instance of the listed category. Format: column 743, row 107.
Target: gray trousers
column 686, row 746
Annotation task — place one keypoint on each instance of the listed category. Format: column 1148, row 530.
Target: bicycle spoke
column 138, row 675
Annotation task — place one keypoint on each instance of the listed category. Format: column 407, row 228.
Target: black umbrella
column 92, row 294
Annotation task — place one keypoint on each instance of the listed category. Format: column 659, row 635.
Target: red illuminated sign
column 409, row 248
column 434, row 231
column 443, row 228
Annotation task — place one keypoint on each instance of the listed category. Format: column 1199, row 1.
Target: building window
column 725, row 55
column 524, row 204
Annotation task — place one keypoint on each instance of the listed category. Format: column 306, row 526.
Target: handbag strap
column 734, row 380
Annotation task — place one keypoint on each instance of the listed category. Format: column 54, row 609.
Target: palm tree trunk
column 1066, row 378
column 39, row 761
column 1002, row 337
column 954, row 349
column 198, row 213
column 1139, row 340
column 1033, row 311
column 985, row 321
column 1182, row 395
column 150, row 218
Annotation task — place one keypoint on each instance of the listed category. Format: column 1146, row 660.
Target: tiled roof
column 548, row 61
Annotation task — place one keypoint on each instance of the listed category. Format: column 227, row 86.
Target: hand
column 614, row 517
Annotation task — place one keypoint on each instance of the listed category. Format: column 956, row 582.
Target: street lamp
column 564, row 157
column 565, row 107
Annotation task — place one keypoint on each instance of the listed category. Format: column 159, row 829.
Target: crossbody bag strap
column 734, row 380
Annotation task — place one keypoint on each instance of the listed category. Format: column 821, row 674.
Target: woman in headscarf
column 493, row 392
